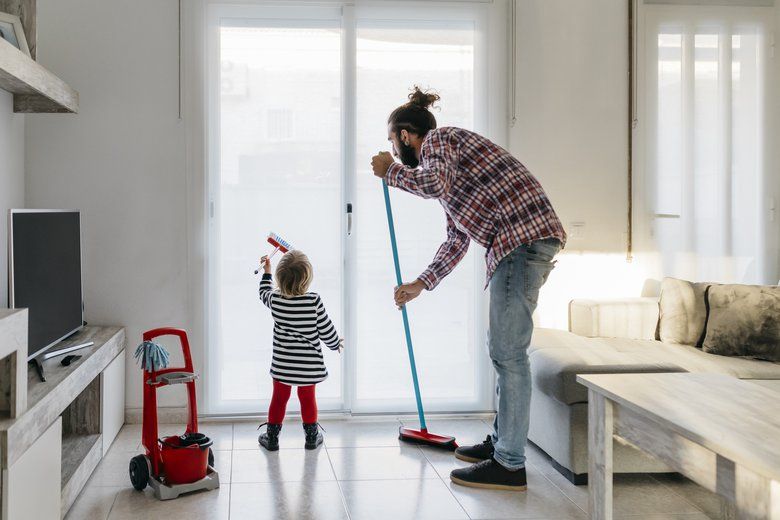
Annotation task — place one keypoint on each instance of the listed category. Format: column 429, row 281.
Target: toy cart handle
column 149, row 335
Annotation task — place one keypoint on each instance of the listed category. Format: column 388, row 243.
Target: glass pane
column 279, row 170
column 391, row 57
column 747, row 138
column 669, row 137
column 708, row 205
column 669, row 142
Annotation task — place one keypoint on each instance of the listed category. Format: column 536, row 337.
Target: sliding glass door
column 392, row 54
column 275, row 166
column 298, row 103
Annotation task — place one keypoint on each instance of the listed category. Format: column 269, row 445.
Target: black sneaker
column 313, row 436
column 489, row 474
column 270, row 439
column 477, row 452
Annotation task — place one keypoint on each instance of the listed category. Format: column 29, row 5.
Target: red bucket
column 184, row 462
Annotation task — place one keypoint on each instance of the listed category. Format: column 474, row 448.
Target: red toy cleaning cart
column 177, row 464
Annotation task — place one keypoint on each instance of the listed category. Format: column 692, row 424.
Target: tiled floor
column 363, row 472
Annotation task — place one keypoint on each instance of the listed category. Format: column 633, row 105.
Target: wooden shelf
column 48, row 452
column 75, row 451
column 48, row 400
column 35, row 89
column 81, row 454
column 13, row 368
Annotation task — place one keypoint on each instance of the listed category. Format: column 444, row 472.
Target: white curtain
column 706, row 140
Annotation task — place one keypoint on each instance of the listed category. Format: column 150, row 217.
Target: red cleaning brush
column 279, row 244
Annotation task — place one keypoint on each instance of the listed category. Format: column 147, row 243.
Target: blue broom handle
column 403, row 308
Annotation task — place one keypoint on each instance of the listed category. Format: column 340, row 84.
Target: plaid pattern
column 487, row 194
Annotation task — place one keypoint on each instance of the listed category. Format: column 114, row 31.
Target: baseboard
column 178, row 415
column 578, row 479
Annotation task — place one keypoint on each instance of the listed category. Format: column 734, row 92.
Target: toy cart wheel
column 139, row 472
column 211, row 458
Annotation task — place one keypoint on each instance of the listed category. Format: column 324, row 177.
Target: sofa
column 610, row 336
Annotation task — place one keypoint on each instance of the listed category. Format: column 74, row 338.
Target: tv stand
column 37, row 362
column 54, row 433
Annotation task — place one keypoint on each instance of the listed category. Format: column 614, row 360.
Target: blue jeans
column 514, row 291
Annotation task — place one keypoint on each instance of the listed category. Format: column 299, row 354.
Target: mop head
column 151, row 356
column 412, row 436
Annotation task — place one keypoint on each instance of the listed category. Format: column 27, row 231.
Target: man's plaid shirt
column 487, row 195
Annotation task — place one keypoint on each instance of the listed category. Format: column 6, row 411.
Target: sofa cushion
column 694, row 359
column 682, row 311
column 556, row 338
column 616, row 318
column 554, row 369
column 743, row 320
column 557, row 356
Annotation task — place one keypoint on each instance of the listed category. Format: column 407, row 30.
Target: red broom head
column 413, row 436
column 278, row 242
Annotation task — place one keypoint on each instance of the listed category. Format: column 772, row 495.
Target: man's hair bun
column 422, row 99
column 414, row 116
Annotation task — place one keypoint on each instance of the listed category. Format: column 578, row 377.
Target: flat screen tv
column 44, row 274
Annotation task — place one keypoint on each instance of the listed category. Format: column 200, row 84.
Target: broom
column 421, row 436
column 279, row 244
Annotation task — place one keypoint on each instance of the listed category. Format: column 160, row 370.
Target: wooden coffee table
column 719, row 431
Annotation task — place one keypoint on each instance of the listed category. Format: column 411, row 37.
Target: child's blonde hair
column 294, row 274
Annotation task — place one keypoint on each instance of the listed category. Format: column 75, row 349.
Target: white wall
column 571, row 132
column 120, row 161
column 572, row 91
column 11, row 178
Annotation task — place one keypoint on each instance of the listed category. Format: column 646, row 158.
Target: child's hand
column 266, row 263
column 341, row 345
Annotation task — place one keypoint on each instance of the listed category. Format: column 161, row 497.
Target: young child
column 300, row 323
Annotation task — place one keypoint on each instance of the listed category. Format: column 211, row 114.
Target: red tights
column 279, row 403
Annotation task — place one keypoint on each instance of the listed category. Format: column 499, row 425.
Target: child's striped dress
column 300, row 323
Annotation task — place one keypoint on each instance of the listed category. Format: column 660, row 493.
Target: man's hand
column 407, row 292
column 266, row 263
column 380, row 163
column 341, row 345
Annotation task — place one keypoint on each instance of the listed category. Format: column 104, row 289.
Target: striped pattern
column 487, row 194
column 300, row 323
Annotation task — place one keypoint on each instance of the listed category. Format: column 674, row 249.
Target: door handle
column 349, row 219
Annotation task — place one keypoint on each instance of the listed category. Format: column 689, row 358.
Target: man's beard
column 408, row 156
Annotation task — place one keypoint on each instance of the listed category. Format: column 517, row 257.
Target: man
column 488, row 196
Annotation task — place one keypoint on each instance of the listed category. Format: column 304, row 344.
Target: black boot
column 313, row 436
column 477, row 452
column 270, row 439
column 489, row 474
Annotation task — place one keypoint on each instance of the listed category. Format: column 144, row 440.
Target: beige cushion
column 744, row 320
column 694, row 359
column 634, row 318
column 682, row 311
column 557, row 356
column 555, row 370
column 772, row 384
